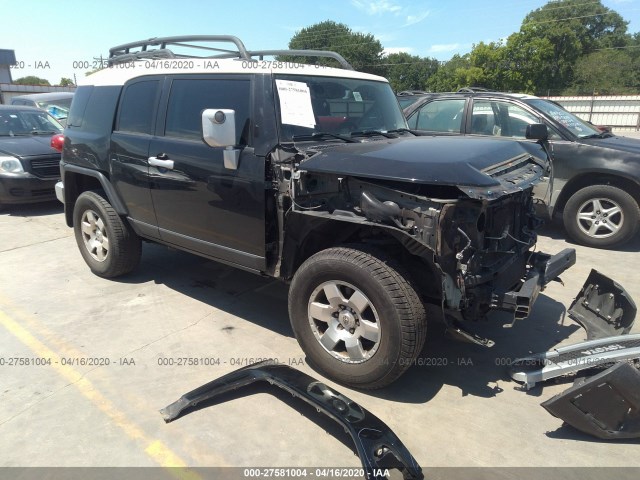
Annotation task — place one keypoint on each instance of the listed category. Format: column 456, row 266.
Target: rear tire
column 601, row 216
column 356, row 316
column 107, row 243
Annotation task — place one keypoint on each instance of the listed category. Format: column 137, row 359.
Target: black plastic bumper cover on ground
column 603, row 307
column 606, row 405
column 376, row 444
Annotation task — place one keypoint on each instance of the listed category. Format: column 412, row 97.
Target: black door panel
column 130, row 174
column 200, row 199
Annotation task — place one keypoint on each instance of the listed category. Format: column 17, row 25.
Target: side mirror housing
column 537, row 131
column 219, row 130
column 219, row 127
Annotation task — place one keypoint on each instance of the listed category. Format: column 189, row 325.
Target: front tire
column 356, row 316
column 107, row 243
column 601, row 216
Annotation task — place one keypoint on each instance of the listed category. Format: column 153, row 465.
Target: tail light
column 57, row 142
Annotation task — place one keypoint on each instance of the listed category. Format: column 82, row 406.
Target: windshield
column 341, row 106
column 27, row 122
column 575, row 125
column 57, row 108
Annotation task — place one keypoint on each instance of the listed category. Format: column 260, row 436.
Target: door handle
column 161, row 163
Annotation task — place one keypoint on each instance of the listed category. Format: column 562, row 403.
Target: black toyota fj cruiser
column 307, row 174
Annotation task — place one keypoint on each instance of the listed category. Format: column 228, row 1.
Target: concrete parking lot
column 105, row 356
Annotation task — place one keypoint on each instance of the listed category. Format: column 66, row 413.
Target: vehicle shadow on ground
column 32, row 210
column 566, row 432
column 555, row 231
column 475, row 370
column 259, row 300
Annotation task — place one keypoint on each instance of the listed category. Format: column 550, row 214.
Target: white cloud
column 377, row 7
column 390, row 50
column 413, row 19
column 444, row 47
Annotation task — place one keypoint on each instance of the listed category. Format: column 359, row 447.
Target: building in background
column 8, row 89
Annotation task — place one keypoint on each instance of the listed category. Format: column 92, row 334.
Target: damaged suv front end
column 464, row 206
column 450, row 219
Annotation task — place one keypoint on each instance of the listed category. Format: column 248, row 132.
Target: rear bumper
column 60, row 191
column 25, row 188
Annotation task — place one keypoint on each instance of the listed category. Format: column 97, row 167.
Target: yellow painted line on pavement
column 155, row 449
column 63, row 348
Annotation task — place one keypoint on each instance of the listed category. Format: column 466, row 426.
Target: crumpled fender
column 376, row 444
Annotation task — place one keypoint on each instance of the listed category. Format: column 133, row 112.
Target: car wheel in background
column 601, row 216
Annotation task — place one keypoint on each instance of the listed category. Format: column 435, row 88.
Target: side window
column 483, row 120
column 503, row 119
column 189, row 97
column 439, row 116
column 138, row 107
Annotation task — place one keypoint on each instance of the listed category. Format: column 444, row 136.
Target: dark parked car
column 29, row 166
column 55, row 103
column 596, row 175
column 407, row 97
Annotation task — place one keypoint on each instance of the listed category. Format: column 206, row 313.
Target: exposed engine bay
column 476, row 241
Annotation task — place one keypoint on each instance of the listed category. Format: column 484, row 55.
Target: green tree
column 31, row 80
column 65, row 82
column 363, row 51
column 553, row 37
column 451, row 76
column 527, row 64
column 409, row 72
column 489, row 57
column 606, row 72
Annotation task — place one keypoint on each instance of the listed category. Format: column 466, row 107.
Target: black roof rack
column 411, row 92
column 123, row 53
column 473, row 90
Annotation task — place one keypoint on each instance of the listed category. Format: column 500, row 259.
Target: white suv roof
column 118, row 74
column 162, row 56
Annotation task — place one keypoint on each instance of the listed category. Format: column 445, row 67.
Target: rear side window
column 78, row 106
column 189, row 97
column 138, row 107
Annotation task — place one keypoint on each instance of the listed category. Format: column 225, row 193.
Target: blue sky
column 68, row 31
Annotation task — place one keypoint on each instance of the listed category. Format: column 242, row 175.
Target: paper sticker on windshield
column 357, row 96
column 295, row 103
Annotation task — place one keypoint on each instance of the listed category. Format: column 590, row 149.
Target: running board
column 606, row 405
column 573, row 358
